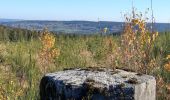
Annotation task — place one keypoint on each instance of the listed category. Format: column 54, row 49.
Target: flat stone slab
column 97, row 84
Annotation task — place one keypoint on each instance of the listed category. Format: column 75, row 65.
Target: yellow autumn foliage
column 137, row 43
column 167, row 65
column 48, row 51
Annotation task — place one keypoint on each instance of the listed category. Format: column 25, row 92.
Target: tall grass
column 20, row 70
column 21, row 73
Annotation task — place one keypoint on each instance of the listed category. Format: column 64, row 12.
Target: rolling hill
column 77, row 27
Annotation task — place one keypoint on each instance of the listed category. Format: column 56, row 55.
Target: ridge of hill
column 78, row 27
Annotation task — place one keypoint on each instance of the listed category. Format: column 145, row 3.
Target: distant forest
column 16, row 34
column 78, row 27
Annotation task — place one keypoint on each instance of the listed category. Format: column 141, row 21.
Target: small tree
column 137, row 42
column 48, row 51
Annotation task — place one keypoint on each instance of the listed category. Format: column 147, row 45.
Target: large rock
column 97, row 84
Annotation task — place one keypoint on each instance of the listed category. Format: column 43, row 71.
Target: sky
column 90, row 10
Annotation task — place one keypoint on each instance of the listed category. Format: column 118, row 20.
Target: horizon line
column 72, row 20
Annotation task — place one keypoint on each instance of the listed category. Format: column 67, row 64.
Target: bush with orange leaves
column 136, row 46
column 48, row 52
column 167, row 65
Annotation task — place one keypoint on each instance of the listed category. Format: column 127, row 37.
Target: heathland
column 26, row 55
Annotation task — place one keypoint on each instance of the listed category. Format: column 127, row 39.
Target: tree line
column 17, row 34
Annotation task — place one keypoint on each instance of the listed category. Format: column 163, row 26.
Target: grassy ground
column 20, row 70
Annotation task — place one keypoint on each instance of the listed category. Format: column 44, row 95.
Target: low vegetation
column 25, row 58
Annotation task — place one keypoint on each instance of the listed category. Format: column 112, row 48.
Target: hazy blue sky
column 108, row 10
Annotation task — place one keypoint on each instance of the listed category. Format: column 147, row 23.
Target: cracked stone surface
column 97, row 84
